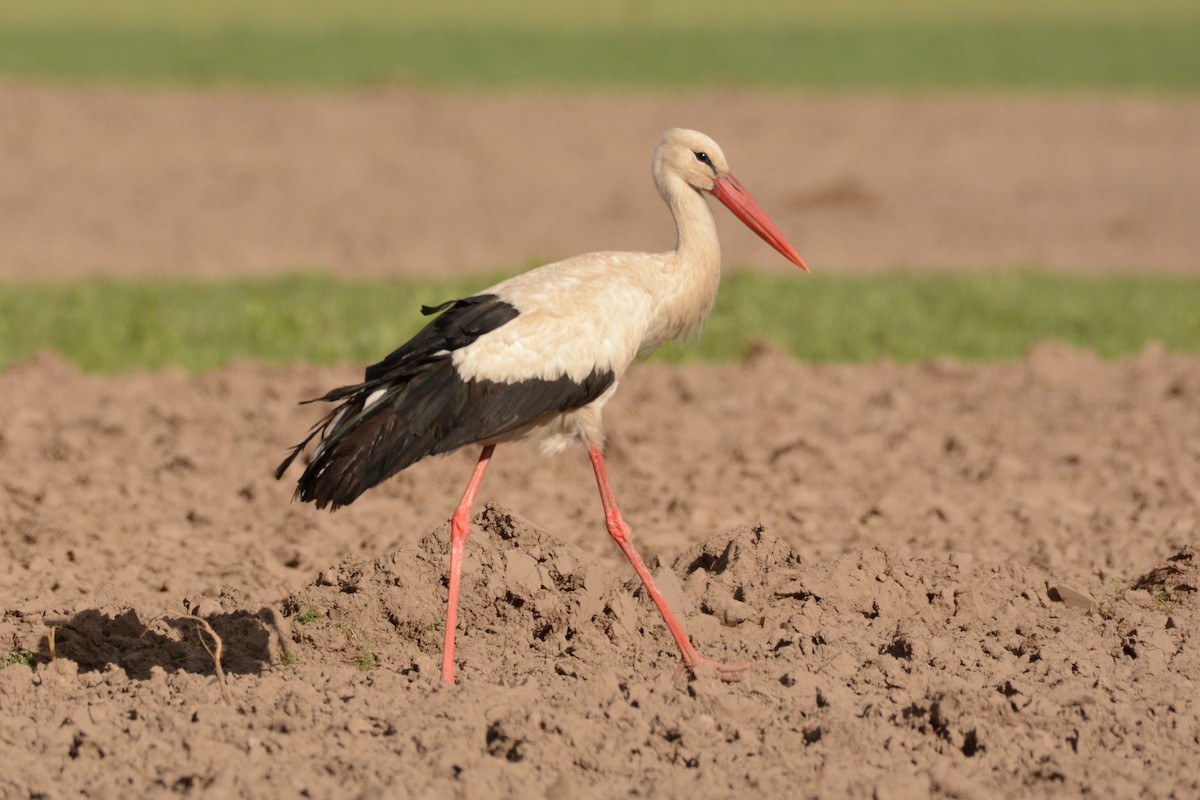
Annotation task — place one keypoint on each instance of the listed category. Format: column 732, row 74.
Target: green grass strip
column 1155, row 54
column 115, row 326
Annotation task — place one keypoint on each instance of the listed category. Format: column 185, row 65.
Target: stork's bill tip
column 730, row 192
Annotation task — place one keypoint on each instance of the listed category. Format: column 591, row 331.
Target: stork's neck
column 692, row 271
column 696, row 245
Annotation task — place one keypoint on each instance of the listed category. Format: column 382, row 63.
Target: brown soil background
column 400, row 182
column 953, row 580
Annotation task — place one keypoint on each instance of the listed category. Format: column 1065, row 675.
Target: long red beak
column 739, row 201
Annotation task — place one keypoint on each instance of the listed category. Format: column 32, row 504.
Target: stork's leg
column 460, row 529
column 620, row 532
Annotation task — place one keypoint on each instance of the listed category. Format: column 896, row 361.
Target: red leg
column 460, row 529
column 620, row 532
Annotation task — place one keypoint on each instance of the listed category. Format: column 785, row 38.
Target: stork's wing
column 414, row 403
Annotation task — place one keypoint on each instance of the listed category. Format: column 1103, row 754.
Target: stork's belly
column 555, row 431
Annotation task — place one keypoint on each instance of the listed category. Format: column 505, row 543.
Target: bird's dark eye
column 703, row 158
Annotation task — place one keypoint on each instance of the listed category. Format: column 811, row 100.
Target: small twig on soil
column 50, row 640
column 215, row 652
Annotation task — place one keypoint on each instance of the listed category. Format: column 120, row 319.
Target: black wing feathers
column 425, row 406
column 462, row 322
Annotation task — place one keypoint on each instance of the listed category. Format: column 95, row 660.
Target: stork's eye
column 703, row 158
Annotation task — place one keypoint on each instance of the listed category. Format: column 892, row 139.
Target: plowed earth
column 964, row 581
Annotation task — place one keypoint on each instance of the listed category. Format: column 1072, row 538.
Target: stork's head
column 699, row 162
column 692, row 156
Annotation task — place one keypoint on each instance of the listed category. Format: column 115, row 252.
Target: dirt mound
column 533, row 605
column 529, row 600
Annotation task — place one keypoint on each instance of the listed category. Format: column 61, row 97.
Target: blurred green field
column 557, row 16
column 869, row 44
column 115, row 326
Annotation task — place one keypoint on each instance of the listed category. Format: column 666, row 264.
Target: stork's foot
column 730, row 673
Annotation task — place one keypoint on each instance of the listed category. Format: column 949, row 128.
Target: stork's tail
column 360, row 443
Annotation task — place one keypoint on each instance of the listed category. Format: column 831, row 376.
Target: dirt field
column 970, row 581
column 397, row 182
column 953, row 581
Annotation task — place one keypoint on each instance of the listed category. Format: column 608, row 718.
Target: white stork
column 537, row 356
